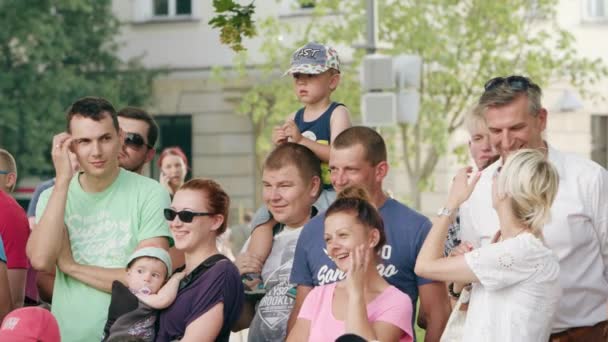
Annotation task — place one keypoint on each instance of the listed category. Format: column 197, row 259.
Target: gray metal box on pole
column 379, row 109
column 377, row 73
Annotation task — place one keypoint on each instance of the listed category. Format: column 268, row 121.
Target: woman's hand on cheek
column 355, row 277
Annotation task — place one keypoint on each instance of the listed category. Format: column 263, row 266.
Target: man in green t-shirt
column 90, row 222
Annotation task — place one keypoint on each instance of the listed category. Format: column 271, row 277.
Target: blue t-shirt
column 405, row 231
column 2, row 253
column 31, row 208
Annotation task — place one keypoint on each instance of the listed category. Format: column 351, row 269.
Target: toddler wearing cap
column 133, row 308
column 315, row 69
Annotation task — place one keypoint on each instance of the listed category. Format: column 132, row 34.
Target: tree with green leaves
column 52, row 53
column 462, row 44
column 234, row 21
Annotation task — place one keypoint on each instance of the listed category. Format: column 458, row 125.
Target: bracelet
column 451, row 291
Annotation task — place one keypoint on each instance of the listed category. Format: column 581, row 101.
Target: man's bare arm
column 16, row 281
column 45, row 242
column 301, row 293
column 5, row 296
column 44, row 245
column 99, row 277
column 435, row 306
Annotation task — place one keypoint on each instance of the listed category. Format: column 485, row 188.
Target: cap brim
column 308, row 69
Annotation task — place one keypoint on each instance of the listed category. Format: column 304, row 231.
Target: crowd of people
column 520, row 245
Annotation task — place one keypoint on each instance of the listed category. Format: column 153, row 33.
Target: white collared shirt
column 577, row 234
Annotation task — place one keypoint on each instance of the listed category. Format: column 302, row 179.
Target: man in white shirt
column 578, row 230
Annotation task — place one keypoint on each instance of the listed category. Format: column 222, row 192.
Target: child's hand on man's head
column 278, row 135
column 292, row 131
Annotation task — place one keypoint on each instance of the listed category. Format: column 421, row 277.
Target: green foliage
column 51, row 53
column 462, row 44
column 234, row 21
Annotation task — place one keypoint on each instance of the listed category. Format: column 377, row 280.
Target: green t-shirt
column 104, row 230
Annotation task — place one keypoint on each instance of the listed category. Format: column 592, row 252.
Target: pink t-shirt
column 391, row 306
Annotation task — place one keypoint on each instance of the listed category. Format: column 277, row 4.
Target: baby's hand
column 178, row 275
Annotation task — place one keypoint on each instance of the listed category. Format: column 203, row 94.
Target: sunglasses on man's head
column 135, row 140
column 184, row 216
column 515, row 82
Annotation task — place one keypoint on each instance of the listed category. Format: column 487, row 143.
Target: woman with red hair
column 173, row 165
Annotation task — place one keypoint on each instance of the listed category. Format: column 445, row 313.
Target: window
column 296, row 8
column 175, row 130
column 307, row 3
column 172, row 8
column 595, row 10
column 165, row 10
column 599, row 139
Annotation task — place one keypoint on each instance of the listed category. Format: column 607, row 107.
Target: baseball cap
column 30, row 324
column 153, row 252
column 314, row 58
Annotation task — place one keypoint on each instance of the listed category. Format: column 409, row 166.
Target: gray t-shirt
column 272, row 312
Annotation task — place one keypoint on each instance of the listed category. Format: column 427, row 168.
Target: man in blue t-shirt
column 358, row 157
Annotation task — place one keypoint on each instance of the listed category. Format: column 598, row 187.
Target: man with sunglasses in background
column 578, row 230
column 141, row 132
column 89, row 223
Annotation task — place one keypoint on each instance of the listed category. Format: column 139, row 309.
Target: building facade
column 197, row 111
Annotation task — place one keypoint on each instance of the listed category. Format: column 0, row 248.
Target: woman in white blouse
column 515, row 279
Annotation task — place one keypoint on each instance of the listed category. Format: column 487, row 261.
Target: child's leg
column 261, row 240
column 260, row 245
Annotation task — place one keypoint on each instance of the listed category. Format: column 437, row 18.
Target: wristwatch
column 444, row 212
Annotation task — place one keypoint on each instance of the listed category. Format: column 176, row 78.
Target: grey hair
column 503, row 94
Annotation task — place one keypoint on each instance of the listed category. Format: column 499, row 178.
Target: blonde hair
column 474, row 119
column 531, row 182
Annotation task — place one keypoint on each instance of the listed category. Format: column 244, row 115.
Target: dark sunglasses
column 516, row 82
column 184, row 216
column 4, row 172
column 135, row 140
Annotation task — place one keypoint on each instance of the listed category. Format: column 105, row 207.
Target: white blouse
column 518, row 291
column 577, row 234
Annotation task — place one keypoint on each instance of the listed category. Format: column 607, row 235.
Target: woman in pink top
column 363, row 303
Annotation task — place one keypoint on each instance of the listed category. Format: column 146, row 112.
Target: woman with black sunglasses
column 210, row 297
